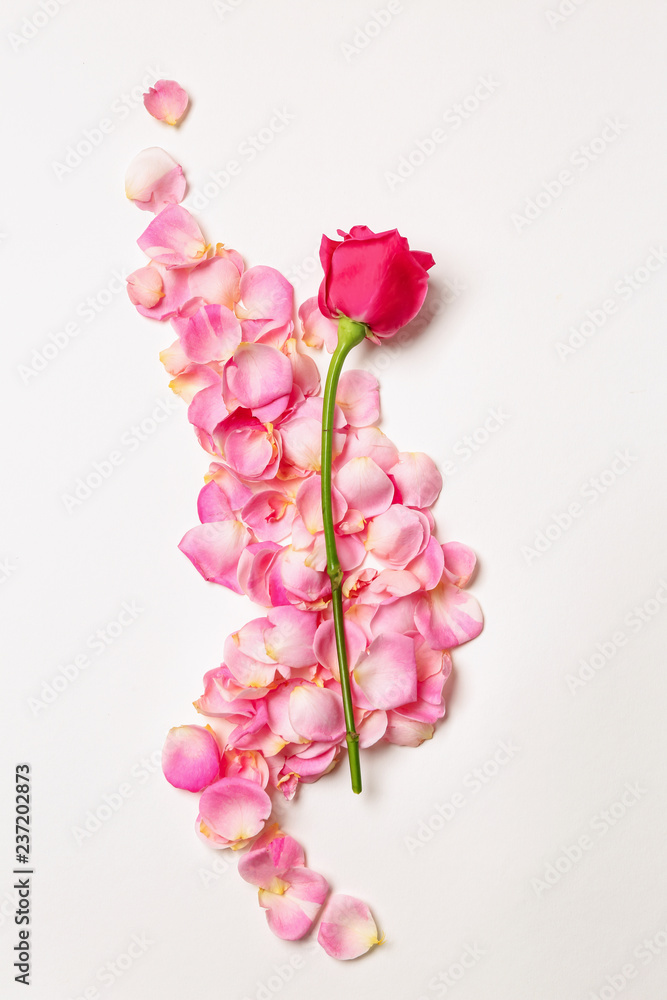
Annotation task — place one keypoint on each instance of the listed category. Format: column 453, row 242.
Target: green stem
column 349, row 335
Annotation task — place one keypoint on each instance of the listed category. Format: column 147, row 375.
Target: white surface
column 355, row 115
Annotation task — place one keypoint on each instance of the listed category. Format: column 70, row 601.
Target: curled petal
column 347, row 929
column 317, row 328
column 190, row 758
column 234, row 809
column 359, row 398
column 460, row 563
column 417, row 478
column 173, row 238
column 270, row 514
column 154, row 180
column 166, row 101
column 407, row 732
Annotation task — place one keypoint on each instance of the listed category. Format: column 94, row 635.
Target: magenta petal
column 190, row 758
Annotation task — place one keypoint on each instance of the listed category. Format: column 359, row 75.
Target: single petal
column 291, row 910
column 387, row 672
column 325, row 645
column 217, row 281
column 359, row 398
column 347, row 929
column 365, row 486
column 190, row 758
column 417, row 478
column 212, row 334
column 309, row 504
column 447, row 616
column 407, row 732
column 234, row 809
column 370, row 442
column 154, row 180
column 398, row 535
column 166, row 101
column 317, row 329
column 145, row 287
column 173, row 238
column 214, row 550
column 316, row 713
column 460, row 563
column 263, row 864
column 266, row 298
column 259, row 378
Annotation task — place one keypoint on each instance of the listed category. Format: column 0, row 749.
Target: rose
column 373, row 278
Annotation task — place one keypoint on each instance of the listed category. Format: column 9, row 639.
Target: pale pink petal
column 396, row 616
column 291, row 909
column 347, row 929
column 387, row 672
column 417, row 478
column 325, row 645
column 217, row 281
column 372, row 728
column 290, row 639
column 176, row 289
column 166, row 101
column 214, row 550
column 459, row 563
column 190, row 758
column 316, row 713
column 359, row 398
column 389, row 585
column 145, row 287
column 234, row 809
column 447, row 616
column 248, row 764
column 265, row 861
column 309, row 504
column 397, row 536
column 365, row 486
column 154, row 180
column 407, row 732
column 370, row 442
column 173, row 238
column 317, row 329
column 429, row 565
column 305, row 372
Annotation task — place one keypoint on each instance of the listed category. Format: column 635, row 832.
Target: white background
column 477, row 879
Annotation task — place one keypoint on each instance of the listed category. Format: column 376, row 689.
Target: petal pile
column 245, row 370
